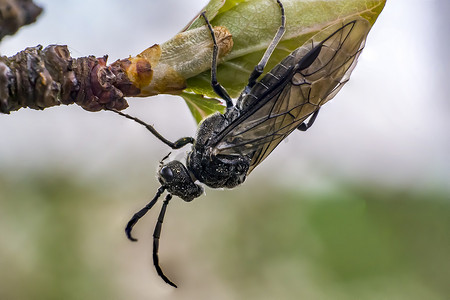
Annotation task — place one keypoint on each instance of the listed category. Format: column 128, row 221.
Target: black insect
column 229, row 146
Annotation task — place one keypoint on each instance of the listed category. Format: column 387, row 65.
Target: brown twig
column 15, row 14
column 39, row 78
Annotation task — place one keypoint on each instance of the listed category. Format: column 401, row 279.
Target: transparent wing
column 292, row 91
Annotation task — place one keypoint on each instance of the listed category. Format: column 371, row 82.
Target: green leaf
column 212, row 8
column 202, row 107
column 253, row 24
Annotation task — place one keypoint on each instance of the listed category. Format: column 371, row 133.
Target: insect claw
column 167, row 280
column 128, row 233
column 132, row 238
column 129, row 228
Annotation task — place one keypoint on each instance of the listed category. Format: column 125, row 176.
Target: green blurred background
column 63, row 238
column 356, row 208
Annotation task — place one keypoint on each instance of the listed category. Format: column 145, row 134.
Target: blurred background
column 358, row 207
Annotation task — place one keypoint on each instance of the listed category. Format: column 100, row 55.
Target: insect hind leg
column 217, row 87
column 259, row 68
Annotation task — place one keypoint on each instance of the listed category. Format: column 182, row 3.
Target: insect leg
column 156, row 235
column 141, row 213
column 174, row 145
column 259, row 69
column 217, row 87
column 304, row 126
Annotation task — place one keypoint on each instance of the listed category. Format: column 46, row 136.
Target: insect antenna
column 156, row 235
column 174, row 145
column 141, row 213
column 164, row 158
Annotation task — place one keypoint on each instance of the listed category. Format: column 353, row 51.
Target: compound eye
column 166, row 173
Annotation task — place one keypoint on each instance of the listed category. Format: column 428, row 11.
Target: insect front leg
column 305, row 126
column 259, row 68
column 174, row 145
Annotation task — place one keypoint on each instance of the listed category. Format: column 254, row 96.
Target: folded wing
column 293, row 90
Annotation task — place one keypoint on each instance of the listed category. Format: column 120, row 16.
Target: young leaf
column 243, row 30
column 202, row 107
column 253, row 23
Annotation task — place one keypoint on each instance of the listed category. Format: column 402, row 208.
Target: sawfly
column 229, row 146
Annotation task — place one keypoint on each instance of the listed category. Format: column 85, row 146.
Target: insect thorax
column 216, row 171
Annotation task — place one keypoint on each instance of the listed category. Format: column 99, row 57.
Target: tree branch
column 15, row 14
column 39, row 78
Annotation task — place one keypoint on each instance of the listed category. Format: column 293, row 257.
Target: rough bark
column 39, row 78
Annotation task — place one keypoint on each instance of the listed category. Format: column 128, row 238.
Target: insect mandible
column 229, row 146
